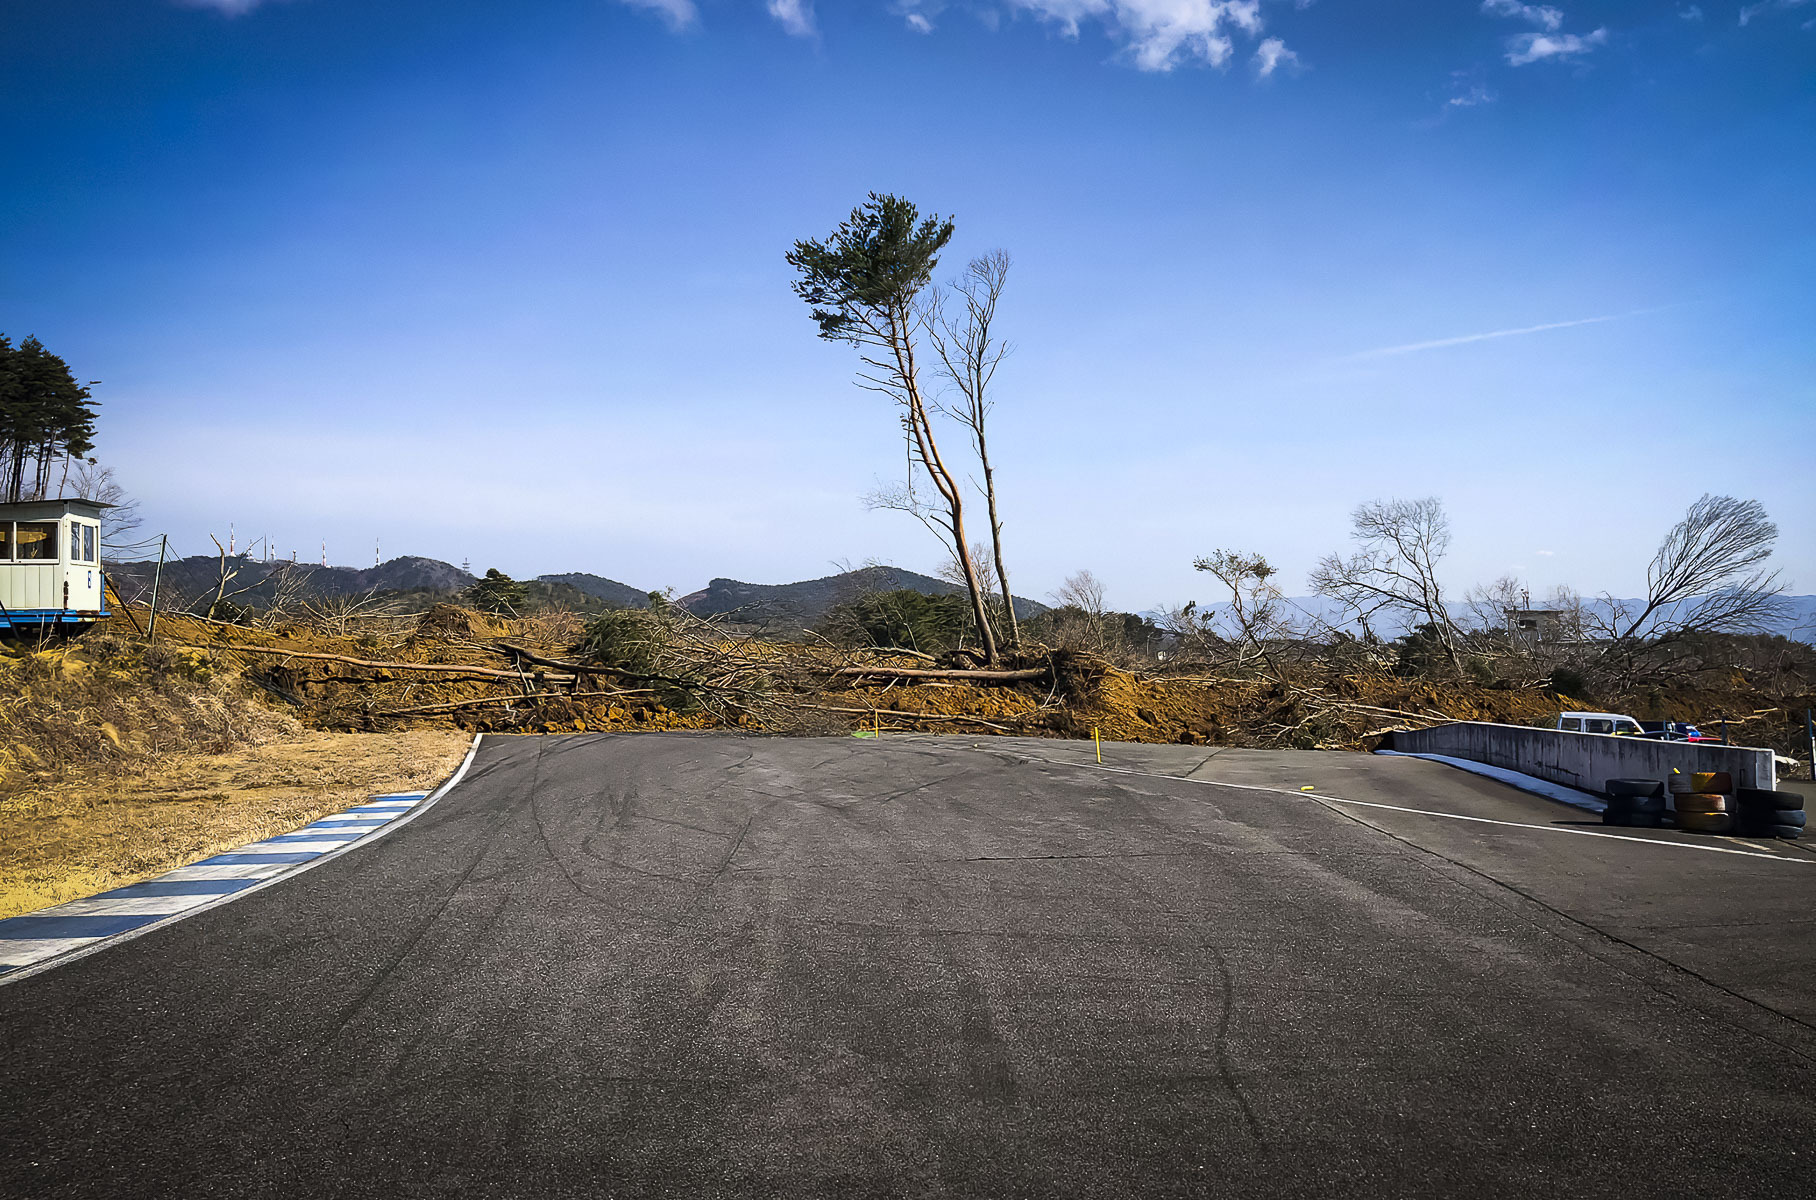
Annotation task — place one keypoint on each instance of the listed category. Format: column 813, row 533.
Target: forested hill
column 255, row 583
column 618, row 595
column 199, row 576
column 805, row 603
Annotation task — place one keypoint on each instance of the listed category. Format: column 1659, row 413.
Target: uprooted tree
column 1708, row 576
column 961, row 323
column 864, row 284
column 1394, row 571
column 1254, row 619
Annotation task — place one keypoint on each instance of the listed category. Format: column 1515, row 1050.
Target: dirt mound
column 451, row 623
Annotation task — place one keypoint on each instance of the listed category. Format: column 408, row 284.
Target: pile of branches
column 662, row 658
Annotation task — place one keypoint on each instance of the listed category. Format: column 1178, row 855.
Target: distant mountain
column 196, row 577
column 801, row 605
column 618, row 595
column 780, row 608
column 1799, row 623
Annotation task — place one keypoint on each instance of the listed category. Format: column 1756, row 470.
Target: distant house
column 1536, row 626
column 50, row 563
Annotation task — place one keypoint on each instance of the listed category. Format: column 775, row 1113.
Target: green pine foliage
column 46, row 417
column 867, row 274
column 904, row 619
column 497, row 593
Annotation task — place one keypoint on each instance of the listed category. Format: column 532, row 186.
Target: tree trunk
column 996, row 543
column 955, row 505
column 922, row 430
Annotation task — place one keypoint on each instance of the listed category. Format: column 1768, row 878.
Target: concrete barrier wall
column 1586, row 760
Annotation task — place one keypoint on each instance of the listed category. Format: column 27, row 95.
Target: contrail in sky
column 1415, row 347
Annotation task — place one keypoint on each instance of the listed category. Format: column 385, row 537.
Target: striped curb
column 41, row 940
column 49, row 932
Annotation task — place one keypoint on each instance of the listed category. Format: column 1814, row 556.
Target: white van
column 1592, row 722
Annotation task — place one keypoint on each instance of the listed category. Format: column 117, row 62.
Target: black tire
column 1797, row 819
column 1708, row 822
column 1635, row 787
column 1760, row 800
column 1786, row 831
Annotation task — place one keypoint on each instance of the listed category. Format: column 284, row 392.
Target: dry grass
column 108, row 825
column 106, row 701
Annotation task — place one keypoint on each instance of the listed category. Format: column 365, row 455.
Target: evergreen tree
column 46, row 417
column 497, row 593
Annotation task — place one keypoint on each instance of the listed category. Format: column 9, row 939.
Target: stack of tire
column 1700, row 800
column 1707, row 802
column 1639, row 803
column 1760, row 813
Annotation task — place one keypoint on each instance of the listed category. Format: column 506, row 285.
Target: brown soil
column 1317, row 711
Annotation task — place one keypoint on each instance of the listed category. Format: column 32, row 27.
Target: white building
column 50, row 563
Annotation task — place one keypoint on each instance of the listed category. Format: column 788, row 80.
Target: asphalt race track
column 719, row 966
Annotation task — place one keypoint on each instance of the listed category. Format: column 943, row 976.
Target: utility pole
column 324, row 552
column 1809, row 735
column 376, row 560
column 151, row 626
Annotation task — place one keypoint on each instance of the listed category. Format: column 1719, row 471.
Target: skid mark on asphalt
column 1327, row 801
column 1400, row 808
column 1226, row 1070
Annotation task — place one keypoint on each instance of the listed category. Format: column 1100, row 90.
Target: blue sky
column 505, row 282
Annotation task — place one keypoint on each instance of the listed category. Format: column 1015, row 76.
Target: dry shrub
column 104, row 700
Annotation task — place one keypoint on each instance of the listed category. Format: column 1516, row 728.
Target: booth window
column 35, row 540
column 88, row 543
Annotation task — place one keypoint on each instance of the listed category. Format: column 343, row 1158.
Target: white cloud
column 677, row 14
column 1158, row 35
column 1692, row 13
column 1753, row 10
column 1534, row 47
column 1155, row 35
column 1546, row 553
column 1440, row 343
column 1542, row 15
column 1467, row 91
column 919, row 14
column 1271, row 55
column 796, row 16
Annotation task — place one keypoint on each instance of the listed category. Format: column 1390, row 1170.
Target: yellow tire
column 1711, row 781
column 1698, row 802
column 1705, row 822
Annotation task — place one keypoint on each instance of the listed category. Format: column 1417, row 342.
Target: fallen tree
column 1022, row 675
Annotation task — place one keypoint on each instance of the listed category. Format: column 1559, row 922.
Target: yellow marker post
column 1097, row 742
column 1308, row 787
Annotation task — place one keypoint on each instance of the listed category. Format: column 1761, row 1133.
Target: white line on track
column 1422, row 812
